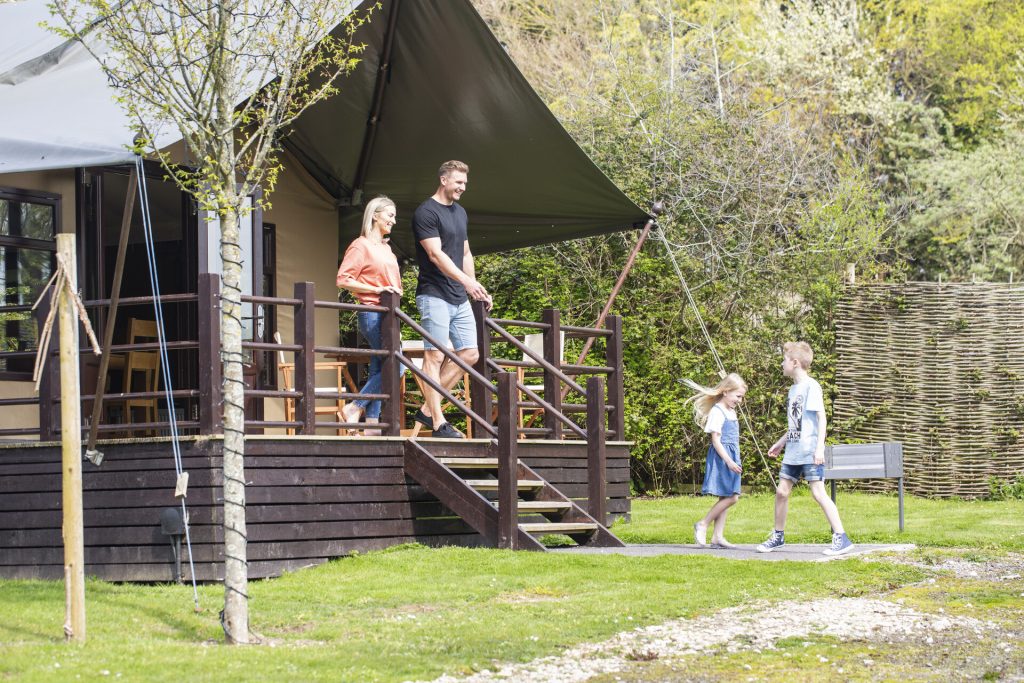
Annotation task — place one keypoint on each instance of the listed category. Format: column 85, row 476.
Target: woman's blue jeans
column 369, row 327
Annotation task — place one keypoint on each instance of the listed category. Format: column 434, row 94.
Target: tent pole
column 370, row 136
column 657, row 209
column 94, row 456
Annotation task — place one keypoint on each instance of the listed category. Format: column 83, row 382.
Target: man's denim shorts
column 809, row 472
column 443, row 320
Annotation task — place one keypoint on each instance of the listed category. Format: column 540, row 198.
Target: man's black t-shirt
column 450, row 223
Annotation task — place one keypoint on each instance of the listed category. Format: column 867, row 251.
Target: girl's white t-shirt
column 717, row 417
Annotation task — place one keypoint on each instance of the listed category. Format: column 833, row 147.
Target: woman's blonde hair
column 705, row 399
column 373, row 207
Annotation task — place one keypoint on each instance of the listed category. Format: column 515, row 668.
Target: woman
column 369, row 268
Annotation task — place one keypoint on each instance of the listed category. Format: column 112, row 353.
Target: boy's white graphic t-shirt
column 805, row 400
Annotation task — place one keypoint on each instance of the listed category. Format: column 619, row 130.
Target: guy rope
column 711, row 345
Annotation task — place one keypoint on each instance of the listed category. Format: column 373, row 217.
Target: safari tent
column 65, row 168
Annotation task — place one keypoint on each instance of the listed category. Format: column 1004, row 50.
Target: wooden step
column 492, row 484
column 557, row 527
column 541, row 505
column 470, row 463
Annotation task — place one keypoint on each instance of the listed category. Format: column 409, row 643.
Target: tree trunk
column 236, row 576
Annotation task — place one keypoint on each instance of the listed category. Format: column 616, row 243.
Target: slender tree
column 229, row 77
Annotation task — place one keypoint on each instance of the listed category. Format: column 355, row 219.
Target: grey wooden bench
column 865, row 461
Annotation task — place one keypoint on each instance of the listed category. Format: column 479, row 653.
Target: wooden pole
column 615, row 290
column 391, row 371
column 508, row 463
column 597, row 459
column 657, row 209
column 71, row 448
column 108, row 333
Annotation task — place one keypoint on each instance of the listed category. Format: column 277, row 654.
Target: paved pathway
column 800, row 552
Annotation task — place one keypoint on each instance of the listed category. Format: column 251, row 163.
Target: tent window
column 28, row 221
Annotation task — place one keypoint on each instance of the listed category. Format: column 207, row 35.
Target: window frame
column 53, row 200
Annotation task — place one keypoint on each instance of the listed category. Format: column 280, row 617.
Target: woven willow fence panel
column 939, row 367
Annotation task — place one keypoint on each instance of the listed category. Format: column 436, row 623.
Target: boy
column 804, row 442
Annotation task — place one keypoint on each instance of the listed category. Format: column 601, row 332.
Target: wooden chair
column 140, row 371
column 141, row 331
column 534, row 342
column 343, row 382
column 413, row 349
column 141, row 374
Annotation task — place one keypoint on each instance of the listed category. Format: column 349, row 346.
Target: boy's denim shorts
column 808, row 473
column 444, row 321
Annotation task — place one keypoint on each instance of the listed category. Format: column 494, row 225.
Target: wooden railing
column 564, row 395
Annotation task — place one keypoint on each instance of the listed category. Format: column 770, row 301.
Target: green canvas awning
column 452, row 92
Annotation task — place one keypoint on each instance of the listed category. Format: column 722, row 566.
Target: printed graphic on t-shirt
column 796, row 419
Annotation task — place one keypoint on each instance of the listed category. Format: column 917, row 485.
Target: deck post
column 305, row 360
column 616, row 383
column 391, row 376
column 552, row 317
column 508, row 464
column 48, row 381
column 208, row 308
column 597, row 457
column 479, row 396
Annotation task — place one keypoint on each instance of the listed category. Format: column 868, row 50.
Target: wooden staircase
column 474, row 489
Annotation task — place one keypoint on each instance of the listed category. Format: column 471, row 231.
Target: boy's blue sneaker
column 841, row 543
column 776, row 540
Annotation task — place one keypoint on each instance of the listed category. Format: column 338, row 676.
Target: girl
column 369, row 268
column 715, row 411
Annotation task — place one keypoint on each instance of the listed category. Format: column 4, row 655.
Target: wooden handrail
column 438, row 346
column 349, row 351
column 578, row 332
column 557, row 415
column 543, row 404
column 344, row 306
column 520, row 323
column 119, row 396
column 540, row 359
column 28, row 401
column 436, row 386
column 269, row 300
column 186, row 298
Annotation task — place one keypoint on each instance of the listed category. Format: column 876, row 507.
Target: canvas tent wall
column 450, row 91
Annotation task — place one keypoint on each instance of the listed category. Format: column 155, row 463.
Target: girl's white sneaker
column 700, row 535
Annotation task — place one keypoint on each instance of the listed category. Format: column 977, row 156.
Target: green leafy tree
column 956, row 55
column 675, row 102
column 229, row 77
column 968, row 211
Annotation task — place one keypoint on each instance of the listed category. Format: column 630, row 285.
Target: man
column 446, row 281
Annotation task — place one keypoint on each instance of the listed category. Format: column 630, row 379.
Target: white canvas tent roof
column 451, row 92
column 56, row 110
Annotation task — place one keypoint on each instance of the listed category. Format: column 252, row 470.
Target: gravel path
column 759, row 626
column 745, row 628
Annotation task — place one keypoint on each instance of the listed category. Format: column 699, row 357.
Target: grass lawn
column 412, row 613
column 867, row 518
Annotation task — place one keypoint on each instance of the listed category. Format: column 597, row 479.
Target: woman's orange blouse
column 369, row 264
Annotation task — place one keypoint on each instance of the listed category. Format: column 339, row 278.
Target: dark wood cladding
column 309, row 499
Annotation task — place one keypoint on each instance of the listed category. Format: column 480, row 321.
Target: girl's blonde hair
column 373, row 207
column 705, row 399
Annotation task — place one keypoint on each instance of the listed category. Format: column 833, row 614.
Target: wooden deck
column 312, row 497
column 309, row 499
